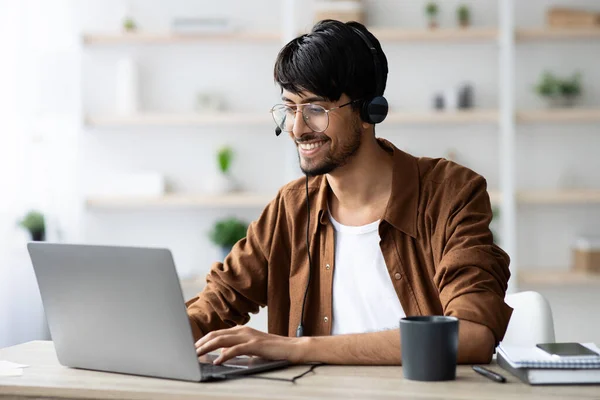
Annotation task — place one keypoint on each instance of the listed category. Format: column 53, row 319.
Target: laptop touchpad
column 236, row 362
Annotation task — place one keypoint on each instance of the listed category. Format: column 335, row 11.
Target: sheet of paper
column 11, row 372
column 8, row 368
column 5, row 365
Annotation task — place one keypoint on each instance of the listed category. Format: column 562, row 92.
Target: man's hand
column 242, row 340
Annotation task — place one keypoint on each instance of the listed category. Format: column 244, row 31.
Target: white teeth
column 310, row 146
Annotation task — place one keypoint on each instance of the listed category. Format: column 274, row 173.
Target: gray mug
column 429, row 347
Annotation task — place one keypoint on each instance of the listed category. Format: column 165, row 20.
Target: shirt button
column 398, row 276
column 325, row 319
column 327, row 267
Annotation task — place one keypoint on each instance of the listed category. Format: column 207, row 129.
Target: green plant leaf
column 34, row 222
column 431, row 9
column 224, row 157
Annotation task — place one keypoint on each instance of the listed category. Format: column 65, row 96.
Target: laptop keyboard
column 215, row 369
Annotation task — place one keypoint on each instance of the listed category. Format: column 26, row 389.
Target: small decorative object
column 465, row 96
column 560, row 17
column 35, row 224
column 227, row 232
column 224, row 182
column 586, row 254
column 431, row 9
column 209, row 102
column 201, row 25
column 463, row 13
column 128, row 83
column 341, row 10
column 559, row 92
column 438, row 102
column 129, row 25
column 451, row 99
column 495, row 221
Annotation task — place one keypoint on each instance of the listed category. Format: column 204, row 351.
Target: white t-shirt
column 364, row 298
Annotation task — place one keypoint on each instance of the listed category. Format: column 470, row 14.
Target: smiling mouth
column 311, row 145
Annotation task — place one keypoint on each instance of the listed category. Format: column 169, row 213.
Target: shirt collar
column 402, row 208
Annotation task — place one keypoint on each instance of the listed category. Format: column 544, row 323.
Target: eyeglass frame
column 302, row 111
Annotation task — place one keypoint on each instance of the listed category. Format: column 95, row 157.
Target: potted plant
column 570, row 89
column 224, row 182
column 463, row 14
column 431, row 9
column 559, row 92
column 34, row 223
column 227, row 232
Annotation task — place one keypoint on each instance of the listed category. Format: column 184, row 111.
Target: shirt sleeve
column 237, row 286
column 472, row 276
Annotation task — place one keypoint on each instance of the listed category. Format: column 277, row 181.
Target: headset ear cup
column 377, row 109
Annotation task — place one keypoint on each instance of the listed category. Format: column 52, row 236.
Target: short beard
column 333, row 161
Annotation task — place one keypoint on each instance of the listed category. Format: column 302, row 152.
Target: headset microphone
column 277, row 131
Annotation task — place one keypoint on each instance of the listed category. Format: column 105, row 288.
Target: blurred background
column 146, row 123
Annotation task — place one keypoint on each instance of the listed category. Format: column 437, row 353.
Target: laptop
column 121, row 309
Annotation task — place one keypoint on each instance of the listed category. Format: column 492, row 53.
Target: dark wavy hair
column 331, row 60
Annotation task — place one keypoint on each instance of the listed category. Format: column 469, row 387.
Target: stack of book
column 571, row 18
column 536, row 367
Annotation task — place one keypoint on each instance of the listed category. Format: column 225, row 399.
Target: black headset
column 373, row 110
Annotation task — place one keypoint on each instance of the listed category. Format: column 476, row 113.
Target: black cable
column 271, row 378
column 300, row 329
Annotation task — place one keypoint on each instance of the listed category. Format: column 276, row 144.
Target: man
column 389, row 234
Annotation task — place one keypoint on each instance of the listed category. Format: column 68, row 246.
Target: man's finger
column 212, row 335
column 221, row 342
column 242, row 349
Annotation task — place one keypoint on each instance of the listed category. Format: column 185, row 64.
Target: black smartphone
column 567, row 350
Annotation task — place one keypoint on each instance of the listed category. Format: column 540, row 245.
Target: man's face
column 322, row 152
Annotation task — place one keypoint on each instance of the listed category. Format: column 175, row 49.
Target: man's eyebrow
column 307, row 100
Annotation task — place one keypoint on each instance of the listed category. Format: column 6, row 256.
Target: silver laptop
column 121, row 309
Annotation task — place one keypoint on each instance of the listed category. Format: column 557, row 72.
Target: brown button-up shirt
column 435, row 240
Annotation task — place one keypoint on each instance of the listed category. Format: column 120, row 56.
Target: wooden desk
column 47, row 378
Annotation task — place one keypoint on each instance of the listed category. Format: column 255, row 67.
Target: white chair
column 531, row 321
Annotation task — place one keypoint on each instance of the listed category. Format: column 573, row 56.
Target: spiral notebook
column 533, row 357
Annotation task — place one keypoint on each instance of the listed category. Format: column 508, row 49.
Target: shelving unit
column 175, row 201
column 557, row 33
column 505, row 36
column 566, row 115
column 556, row 197
column 172, row 38
column 556, row 278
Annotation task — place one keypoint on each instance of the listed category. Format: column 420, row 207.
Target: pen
column 489, row 374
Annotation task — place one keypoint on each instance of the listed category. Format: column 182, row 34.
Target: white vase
column 127, row 92
column 222, row 184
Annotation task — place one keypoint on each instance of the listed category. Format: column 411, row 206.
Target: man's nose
column 300, row 127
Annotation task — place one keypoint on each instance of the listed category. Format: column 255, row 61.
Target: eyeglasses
column 316, row 117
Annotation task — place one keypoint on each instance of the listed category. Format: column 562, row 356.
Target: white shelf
column 557, row 33
column 551, row 197
column 549, row 277
column 172, row 38
column 560, row 115
column 435, row 35
column 573, row 196
column 150, row 119
column 444, row 117
column 236, row 200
